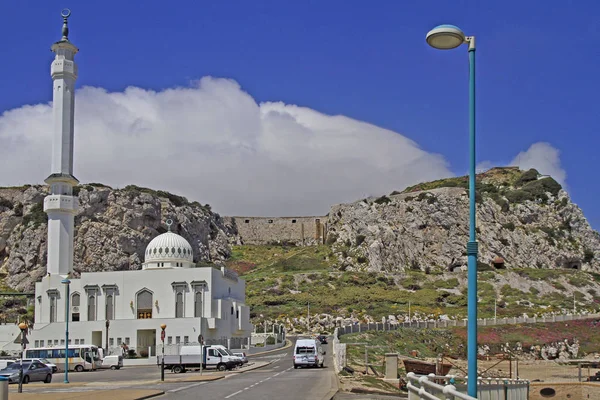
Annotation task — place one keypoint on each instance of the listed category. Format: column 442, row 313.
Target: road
column 276, row 380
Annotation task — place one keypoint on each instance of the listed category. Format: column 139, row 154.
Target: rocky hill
column 112, row 230
column 524, row 220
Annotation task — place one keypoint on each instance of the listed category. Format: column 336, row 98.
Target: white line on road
column 233, row 394
column 186, row 387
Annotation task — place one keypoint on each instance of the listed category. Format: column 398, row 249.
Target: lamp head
column 23, row 326
column 65, row 281
column 163, row 326
column 445, row 37
column 107, row 323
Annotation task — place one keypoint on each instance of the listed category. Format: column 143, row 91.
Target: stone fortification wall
column 267, row 230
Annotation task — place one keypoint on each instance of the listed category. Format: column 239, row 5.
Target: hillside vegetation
column 282, row 280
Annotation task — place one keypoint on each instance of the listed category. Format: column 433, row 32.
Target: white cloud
column 543, row 157
column 213, row 143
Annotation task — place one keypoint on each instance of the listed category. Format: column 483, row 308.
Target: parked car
column 44, row 361
column 32, row 371
column 112, row 362
column 322, row 339
column 242, row 356
column 5, row 362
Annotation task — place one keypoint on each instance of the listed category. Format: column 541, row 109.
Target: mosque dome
column 168, row 247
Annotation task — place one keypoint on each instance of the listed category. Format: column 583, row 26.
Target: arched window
column 52, row 308
column 198, row 304
column 179, row 305
column 92, row 306
column 75, row 303
column 144, row 304
column 110, row 306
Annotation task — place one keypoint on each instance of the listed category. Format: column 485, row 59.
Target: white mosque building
column 109, row 309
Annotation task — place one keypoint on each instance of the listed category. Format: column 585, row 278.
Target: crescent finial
column 66, row 13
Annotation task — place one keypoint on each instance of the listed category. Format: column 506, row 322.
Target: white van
column 112, row 362
column 308, row 353
column 6, row 362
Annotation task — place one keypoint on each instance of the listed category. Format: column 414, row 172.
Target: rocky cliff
column 524, row 220
column 112, row 230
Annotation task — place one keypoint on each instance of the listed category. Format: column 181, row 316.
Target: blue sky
column 367, row 62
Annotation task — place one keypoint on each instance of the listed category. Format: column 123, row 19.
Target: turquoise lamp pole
column 446, row 37
column 66, row 282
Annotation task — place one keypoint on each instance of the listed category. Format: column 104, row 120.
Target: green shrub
column 509, row 225
column 504, row 242
column 383, row 200
column 588, row 255
column 331, row 238
column 527, row 176
column 270, row 340
column 36, row 216
column 539, row 187
column 6, row 203
column 484, row 267
column 518, row 196
column 361, row 259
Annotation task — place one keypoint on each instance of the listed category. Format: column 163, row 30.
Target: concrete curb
column 159, row 393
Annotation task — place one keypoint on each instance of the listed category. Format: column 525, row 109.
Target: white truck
column 213, row 356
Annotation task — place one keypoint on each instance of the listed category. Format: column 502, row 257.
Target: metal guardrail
column 427, row 387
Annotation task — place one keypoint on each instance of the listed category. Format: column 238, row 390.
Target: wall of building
column 224, row 291
column 267, row 230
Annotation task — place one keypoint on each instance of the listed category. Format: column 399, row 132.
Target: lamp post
column 107, row 326
column 23, row 327
column 446, row 37
column 66, row 282
column 162, row 361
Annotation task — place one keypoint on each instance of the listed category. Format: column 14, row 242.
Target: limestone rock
column 429, row 229
column 112, row 230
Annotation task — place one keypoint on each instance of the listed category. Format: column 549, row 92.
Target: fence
column 425, row 387
column 388, row 326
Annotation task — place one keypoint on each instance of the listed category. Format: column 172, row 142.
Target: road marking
column 233, row 394
column 186, row 387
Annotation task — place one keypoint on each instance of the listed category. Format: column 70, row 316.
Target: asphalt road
column 278, row 380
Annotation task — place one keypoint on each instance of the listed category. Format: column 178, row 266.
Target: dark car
column 322, row 339
column 32, row 371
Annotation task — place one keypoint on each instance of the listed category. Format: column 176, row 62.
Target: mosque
column 117, row 308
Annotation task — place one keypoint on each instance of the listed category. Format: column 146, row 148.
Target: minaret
column 61, row 206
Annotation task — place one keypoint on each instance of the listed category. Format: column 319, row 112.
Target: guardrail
column 429, row 387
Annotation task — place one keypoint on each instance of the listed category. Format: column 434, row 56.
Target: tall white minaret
column 61, row 206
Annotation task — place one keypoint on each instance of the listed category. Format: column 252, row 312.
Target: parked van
column 112, row 362
column 6, row 362
column 308, row 353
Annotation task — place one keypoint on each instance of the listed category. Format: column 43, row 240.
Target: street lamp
column 66, row 282
column 162, row 361
column 23, row 327
column 107, row 325
column 446, row 37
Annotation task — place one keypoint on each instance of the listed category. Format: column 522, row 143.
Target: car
column 32, row 371
column 242, row 356
column 322, row 339
column 44, row 361
column 112, row 362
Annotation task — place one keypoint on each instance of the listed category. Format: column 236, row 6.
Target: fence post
column 3, row 388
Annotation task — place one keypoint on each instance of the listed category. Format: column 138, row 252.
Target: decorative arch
column 75, row 306
column 144, row 300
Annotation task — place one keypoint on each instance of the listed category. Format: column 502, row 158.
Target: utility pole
column 409, row 321
column 308, row 318
column 494, row 309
